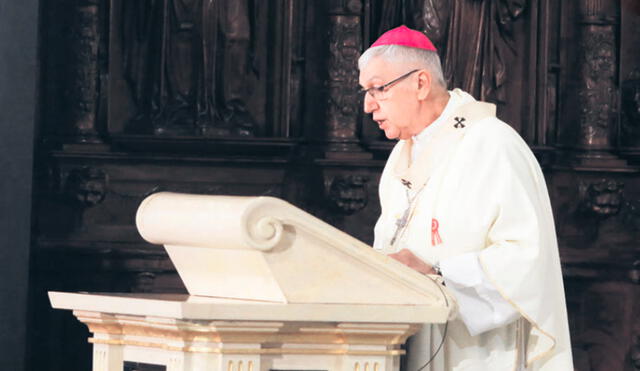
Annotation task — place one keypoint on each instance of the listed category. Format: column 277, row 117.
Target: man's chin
column 391, row 135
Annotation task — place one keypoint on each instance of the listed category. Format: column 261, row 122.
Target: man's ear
column 424, row 84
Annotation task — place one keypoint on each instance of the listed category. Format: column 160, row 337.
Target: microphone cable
column 446, row 326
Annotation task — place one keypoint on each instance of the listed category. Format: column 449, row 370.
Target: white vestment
column 477, row 190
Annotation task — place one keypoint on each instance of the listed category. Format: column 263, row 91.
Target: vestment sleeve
column 521, row 257
column 480, row 305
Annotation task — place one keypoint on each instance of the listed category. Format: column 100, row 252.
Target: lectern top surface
column 186, row 307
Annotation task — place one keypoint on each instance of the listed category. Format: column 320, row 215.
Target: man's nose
column 370, row 104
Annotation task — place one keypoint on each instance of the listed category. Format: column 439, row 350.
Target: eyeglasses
column 382, row 92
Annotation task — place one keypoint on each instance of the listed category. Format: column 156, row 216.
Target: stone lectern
column 270, row 288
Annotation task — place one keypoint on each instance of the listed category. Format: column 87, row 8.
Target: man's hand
column 407, row 258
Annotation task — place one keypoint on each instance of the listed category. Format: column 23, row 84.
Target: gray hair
column 417, row 58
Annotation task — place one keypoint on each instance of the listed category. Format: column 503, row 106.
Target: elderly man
column 463, row 196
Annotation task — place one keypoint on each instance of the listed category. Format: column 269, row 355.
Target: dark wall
column 18, row 74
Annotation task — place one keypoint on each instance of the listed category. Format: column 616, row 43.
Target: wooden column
column 83, row 83
column 597, row 97
column 345, row 45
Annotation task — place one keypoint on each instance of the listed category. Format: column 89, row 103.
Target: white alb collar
column 422, row 139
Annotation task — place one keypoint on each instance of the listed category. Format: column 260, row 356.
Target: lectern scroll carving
column 263, row 248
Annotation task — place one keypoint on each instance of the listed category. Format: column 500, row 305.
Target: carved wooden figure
column 458, row 26
column 186, row 62
column 630, row 118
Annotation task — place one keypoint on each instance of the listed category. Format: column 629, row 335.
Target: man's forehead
column 377, row 69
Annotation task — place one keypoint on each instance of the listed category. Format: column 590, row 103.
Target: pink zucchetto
column 405, row 36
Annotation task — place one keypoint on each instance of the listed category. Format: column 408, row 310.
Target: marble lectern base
column 189, row 333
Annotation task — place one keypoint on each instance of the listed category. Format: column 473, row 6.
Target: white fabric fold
column 422, row 139
column 480, row 305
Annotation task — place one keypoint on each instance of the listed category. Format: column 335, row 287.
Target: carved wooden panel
column 204, row 69
column 630, row 80
column 597, row 223
column 496, row 32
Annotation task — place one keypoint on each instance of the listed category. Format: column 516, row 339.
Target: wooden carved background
column 260, row 97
